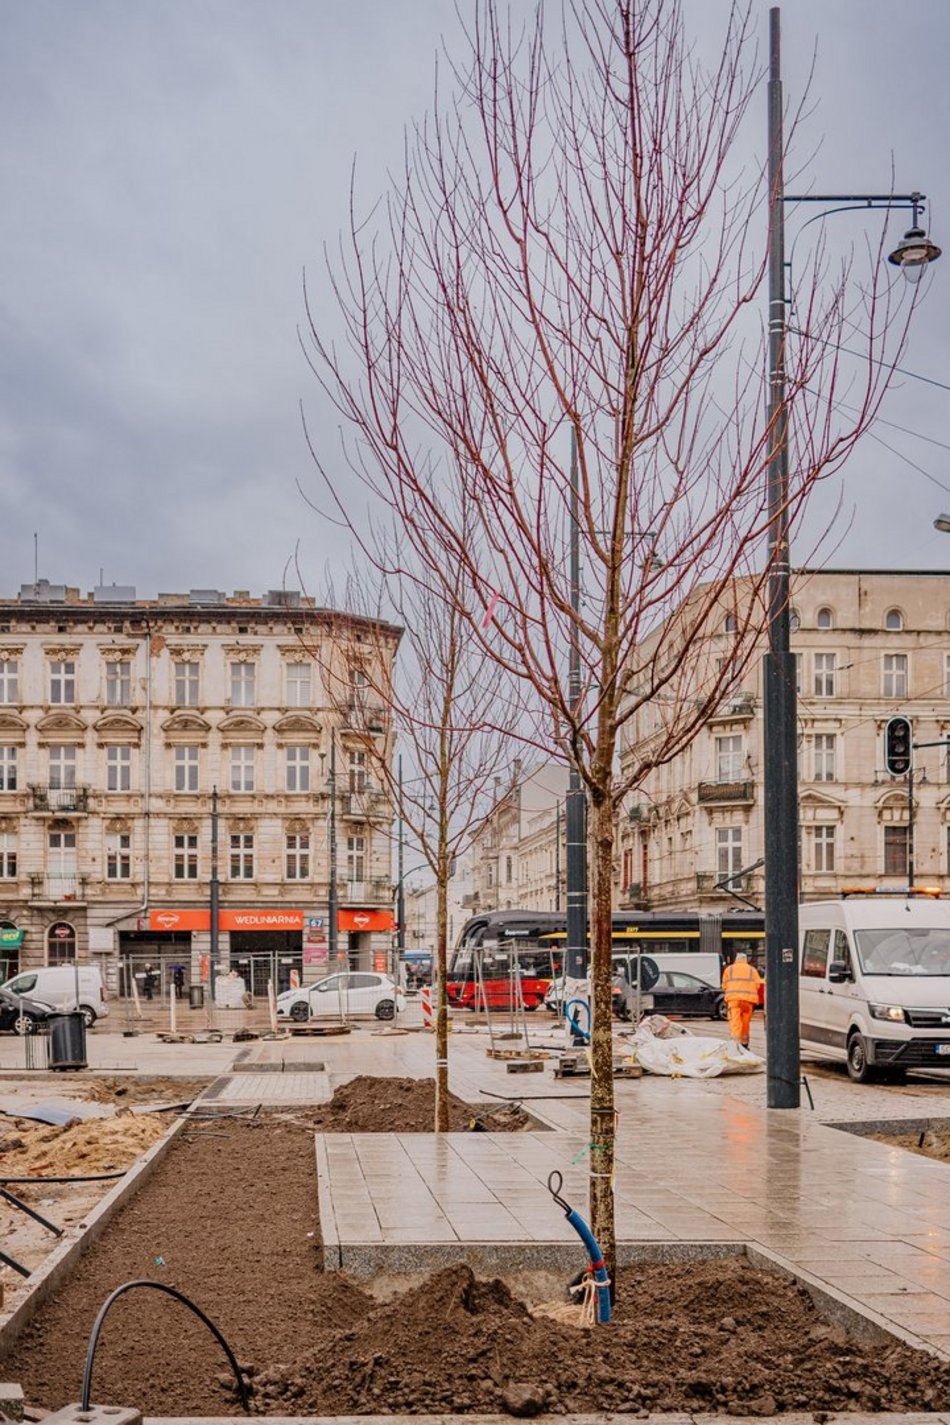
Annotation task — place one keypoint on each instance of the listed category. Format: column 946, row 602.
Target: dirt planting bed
column 372, row 1105
column 229, row 1217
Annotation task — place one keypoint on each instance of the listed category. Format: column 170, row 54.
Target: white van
column 874, row 982
column 56, row 985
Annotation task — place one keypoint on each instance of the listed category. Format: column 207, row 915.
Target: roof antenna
column 36, row 565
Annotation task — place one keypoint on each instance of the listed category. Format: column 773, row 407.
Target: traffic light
column 898, row 746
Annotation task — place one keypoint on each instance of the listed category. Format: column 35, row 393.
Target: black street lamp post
column 780, row 763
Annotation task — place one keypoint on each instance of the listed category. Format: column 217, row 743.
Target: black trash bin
column 196, row 996
column 67, row 1040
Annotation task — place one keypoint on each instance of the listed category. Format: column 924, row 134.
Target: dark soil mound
column 706, row 1337
column 374, row 1105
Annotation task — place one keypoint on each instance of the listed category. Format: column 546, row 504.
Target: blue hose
column 579, row 1034
column 598, row 1267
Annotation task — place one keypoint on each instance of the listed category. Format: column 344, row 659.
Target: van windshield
column 905, row 951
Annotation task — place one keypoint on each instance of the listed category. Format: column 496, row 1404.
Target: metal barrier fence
column 36, row 1048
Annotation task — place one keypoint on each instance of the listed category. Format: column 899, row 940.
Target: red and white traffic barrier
column 425, row 997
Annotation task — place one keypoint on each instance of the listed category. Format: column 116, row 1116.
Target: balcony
column 367, row 891
column 739, row 705
column 60, row 801
column 365, row 717
column 361, row 806
column 730, row 793
column 57, row 890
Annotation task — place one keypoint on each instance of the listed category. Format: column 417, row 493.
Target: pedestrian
column 148, row 981
column 740, row 985
column 178, row 978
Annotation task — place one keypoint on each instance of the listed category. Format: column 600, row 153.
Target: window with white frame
column 242, row 685
column 356, row 858
column 118, row 769
column 8, row 859
column 728, row 851
column 186, row 769
column 298, row 685
column 894, row 683
column 185, row 864
column 62, row 767
column 824, row 618
column 186, row 685
column 242, row 856
column 894, row 620
column 357, row 771
column 118, row 856
column 119, row 683
column 242, row 769
column 298, row 856
column 7, row 769
column 824, row 839
column 826, row 746
column 729, row 758
column 9, row 680
column 826, row 671
column 62, row 680
column 298, row 769
column 946, row 675
column 798, row 672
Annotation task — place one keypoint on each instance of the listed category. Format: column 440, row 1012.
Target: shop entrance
column 262, row 955
column 155, row 959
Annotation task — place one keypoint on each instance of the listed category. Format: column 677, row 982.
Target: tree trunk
column 441, row 1004
column 602, row 1117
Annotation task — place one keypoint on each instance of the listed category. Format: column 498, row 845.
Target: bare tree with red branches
column 433, row 694
column 550, row 333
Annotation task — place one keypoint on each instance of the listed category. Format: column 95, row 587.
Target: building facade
column 517, row 857
column 868, row 645
column 150, row 747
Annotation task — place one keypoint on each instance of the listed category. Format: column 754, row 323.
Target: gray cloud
column 170, row 166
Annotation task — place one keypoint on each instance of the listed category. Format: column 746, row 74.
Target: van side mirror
column 839, row 971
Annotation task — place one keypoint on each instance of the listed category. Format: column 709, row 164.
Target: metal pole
column 780, row 722
column 576, row 952
column 910, row 825
column 213, row 966
column 332, row 904
column 557, row 856
column 400, row 889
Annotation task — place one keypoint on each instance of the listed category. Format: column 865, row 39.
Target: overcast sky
column 169, row 167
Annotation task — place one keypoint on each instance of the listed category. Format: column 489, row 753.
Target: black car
column 675, row 992
column 21, row 1014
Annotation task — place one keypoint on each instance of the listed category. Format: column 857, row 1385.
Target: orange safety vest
column 741, row 981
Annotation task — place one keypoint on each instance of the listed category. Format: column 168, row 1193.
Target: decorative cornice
column 187, row 653
column 61, row 725
column 61, row 653
column 117, row 727
column 242, row 652
column 297, row 724
column 11, row 650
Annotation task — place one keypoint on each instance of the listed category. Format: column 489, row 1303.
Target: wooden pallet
column 522, row 1054
column 524, row 1066
column 578, row 1066
column 318, row 1031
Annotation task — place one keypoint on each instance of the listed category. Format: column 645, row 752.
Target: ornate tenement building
column 868, row 644
column 119, row 719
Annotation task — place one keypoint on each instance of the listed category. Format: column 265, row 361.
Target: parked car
column 352, row 992
column 675, row 992
column 21, row 1014
column 56, row 985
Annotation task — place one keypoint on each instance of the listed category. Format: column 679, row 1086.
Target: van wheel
column 88, row 1015
column 859, row 1070
column 23, row 1024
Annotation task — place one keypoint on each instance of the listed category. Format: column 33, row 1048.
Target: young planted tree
column 551, row 342
column 453, row 743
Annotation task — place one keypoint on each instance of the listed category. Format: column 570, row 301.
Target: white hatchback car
column 341, row 996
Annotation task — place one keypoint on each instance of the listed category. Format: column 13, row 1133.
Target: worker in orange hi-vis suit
column 740, row 985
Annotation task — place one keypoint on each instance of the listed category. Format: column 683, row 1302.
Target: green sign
column 11, row 937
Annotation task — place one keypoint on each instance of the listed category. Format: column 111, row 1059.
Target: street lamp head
column 942, row 522
column 913, row 253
